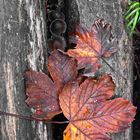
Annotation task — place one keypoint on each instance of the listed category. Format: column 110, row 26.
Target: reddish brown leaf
column 62, row 68
column 42, row 92
column 90, row 113
column 92, row 45
column 42, row 95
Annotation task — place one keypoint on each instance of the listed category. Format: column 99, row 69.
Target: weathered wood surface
column 86, row 12
column 23, row 46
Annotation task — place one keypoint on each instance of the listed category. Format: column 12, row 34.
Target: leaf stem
column 29, row 118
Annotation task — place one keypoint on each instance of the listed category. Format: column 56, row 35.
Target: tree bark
column 85, row 12
column 23, row 46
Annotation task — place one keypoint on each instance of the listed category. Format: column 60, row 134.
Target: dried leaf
column 42, row 92
column 62, row 68
column 42, row 95
column 92, row 45
column 90, row 113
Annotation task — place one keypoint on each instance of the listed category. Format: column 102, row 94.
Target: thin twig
column 2, row 113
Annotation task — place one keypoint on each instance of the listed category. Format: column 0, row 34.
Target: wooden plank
column 23, row 46
column 86, row 12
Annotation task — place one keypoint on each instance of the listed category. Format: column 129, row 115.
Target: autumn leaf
column 42, row 95
column 62, row 68
column 92, row 45
column 42, row 92
column 90, row 113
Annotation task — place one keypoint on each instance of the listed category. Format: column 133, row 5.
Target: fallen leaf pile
column 86, row 102
column 42, row 92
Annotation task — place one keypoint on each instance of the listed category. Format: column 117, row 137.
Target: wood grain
column 23, row 46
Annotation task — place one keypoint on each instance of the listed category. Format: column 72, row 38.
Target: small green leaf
column 133, row 12
column 132, row 16
column 135, row 21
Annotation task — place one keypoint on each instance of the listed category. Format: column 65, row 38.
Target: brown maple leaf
column 42, row 95
column 62, row 68
column 90, row 113
column 42, row 92
column 92, row 45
